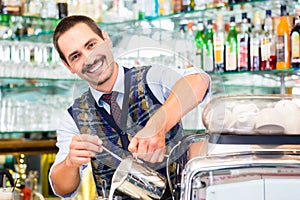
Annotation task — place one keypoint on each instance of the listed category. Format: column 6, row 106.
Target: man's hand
column 82, row 148
column 149, row 144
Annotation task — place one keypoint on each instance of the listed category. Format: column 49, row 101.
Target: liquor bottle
column 62, row 7
column 283, row 41
column 268, row 47
column 295, row 42
column 218, row 3
column 188, row 5
column 231, row 47
column 168, row 7
column 208, row 54
column 244, row 45
column 199, row 4
column 181, row 47
column 199, row 41
column 232, row 1
column 219, row 42
column 151, row 9
column 255, row 43
column 191, row 49
column 11, row 7
column 177, row 6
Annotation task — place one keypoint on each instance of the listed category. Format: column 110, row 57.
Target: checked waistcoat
column 141, row 104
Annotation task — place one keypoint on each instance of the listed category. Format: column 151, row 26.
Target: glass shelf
column 29, row 132
column 24, row 87
column 42, row 28
column 67, row 79
column 287, row 71
column 266, row 82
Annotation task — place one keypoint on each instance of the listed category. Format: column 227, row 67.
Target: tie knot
column 107, row 98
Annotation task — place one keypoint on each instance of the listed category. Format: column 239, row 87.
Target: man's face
column 87, row 54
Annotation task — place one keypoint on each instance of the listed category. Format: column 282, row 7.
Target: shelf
column 267, row 81
column 28, row 132
column 286, row 71
column 17, row 146
column 42, row 28
column 71, row 80
column 23, row 87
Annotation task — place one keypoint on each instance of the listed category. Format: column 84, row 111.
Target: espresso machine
column 249, row 150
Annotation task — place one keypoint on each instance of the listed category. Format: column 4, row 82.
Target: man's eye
column 92, row 45
column 74, row 58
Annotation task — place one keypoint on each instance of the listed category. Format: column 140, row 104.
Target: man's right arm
column 65, row 176
column 75, row 151
column 65, row 180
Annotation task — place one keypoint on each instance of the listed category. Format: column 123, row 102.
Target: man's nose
column 85, row 55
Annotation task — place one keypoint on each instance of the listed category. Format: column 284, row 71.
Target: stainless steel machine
column 251, row 150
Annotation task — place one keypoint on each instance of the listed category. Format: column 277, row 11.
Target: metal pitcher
column 135, row 179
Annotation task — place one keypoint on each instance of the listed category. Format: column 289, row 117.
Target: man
column 146, row 130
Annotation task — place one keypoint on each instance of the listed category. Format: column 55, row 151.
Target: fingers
column 158, row 156
column 76, row 159
column 152, row 157
column 133, row 145
column 147, row 149
column 82, row 148
column 86, row 142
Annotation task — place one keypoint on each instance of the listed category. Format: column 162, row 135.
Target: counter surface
column 17, row 146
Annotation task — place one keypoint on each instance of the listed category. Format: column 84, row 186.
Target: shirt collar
column 118, row 86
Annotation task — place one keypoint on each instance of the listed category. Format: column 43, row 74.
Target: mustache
column 87, row 66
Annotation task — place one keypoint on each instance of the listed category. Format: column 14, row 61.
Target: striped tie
column 115, row 110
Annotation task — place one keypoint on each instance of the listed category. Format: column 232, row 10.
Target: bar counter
column 17, row 146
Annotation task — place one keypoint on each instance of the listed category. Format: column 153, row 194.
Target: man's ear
column 68, row 66
column 106, row 38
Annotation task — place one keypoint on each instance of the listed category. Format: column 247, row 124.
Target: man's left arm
column 187, row 93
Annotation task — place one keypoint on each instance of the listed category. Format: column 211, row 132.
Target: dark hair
column 68, row 22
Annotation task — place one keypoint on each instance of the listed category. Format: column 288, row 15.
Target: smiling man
column 144, row 121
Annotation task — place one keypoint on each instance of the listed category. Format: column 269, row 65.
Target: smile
column 93, row 67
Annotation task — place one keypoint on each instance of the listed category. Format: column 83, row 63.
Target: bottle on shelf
column 181, row 47
column 199, row 41
column 255, row 43
column 218, row 3
column 295, row 41
column 199, row 5
column 4, row 28
column 141, row 9
column 151, row 9
column 232, row 1
column 11, row 7
column 168, row 7
column 244, row 45
column 268, row 47
column 283, row 40
column 208, row 53
column 231, row 47
column 219, row 42
column 62, row 7
column 118, row 12
column 191, row 49
column 165, row 7
column 188, row 5
column 161, row 7
column 177, row 6
column 48, row 9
